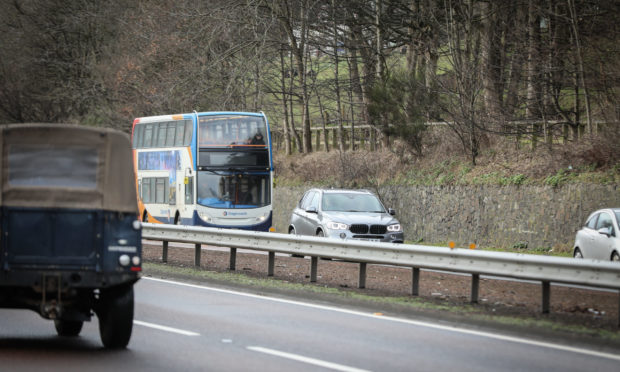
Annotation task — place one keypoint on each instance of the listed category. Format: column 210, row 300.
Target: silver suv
column 345, row 214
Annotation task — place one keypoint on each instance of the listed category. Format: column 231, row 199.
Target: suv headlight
column 337, row 226
column 394, row 228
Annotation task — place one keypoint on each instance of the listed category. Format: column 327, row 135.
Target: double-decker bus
column 210, row 169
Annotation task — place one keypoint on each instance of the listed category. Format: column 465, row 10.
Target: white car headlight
column 337, row 226
column 394, row 228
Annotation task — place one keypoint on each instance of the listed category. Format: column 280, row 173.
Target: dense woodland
column 485, row 71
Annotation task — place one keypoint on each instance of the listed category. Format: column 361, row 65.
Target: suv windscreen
column 351, row 202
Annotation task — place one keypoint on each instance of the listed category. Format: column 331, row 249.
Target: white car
column 599, row 238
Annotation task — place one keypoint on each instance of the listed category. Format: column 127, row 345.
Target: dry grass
column 594, row 159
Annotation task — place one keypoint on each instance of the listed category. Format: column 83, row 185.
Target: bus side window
column 160, row 134
column 188, row 133
column 180, row 127
column 138, row 136
column 148, row 135
column 146, row 190
column 170, row 132
column 189, row 191
column 160, row 190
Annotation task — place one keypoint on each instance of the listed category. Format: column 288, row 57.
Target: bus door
column 188, row 181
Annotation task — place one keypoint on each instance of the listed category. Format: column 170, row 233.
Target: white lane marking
column 456, row 329
column 167, row 329
column 300, row 358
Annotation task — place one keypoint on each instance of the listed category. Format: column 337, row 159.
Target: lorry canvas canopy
column 66, row 166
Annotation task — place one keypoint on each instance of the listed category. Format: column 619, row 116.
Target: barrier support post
column 475, row 285
column 314, row 262
column 272, row 260
column 415, row 281
column 197, row 251
column 362, row 278
column 546, row 294
column 164, row 253
column 233, row 259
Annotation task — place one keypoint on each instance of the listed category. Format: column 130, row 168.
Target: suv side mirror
column 312, row 210
column 391, row 211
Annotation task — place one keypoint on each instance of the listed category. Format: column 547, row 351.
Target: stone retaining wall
column 490, row 216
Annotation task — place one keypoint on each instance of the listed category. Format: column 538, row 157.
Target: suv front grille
column 359, row 229
column 378, row 229
column 363, row 229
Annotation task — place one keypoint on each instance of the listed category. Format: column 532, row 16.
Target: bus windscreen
column 232, row 130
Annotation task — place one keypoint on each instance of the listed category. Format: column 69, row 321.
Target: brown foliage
column 339, row 169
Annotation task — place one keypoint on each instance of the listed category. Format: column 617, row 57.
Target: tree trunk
column 287, row 134
column 532, row 110
column 490, row 61
column 578, row 52
column 337, row 79
column 283, row 12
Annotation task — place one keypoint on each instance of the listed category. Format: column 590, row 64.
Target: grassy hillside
column 593, row 160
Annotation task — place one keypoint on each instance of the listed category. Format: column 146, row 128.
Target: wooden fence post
column 318, row 139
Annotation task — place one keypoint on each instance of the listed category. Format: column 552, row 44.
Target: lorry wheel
column 116, row 317
column 69, row 328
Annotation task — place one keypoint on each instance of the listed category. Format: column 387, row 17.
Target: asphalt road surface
column 186, row 327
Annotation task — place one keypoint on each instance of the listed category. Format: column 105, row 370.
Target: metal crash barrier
column 544, row 269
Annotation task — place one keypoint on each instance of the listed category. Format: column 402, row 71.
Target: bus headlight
column 205, row 217
column 261, row 218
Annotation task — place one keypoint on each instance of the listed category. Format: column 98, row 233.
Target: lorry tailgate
column 50, row 239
